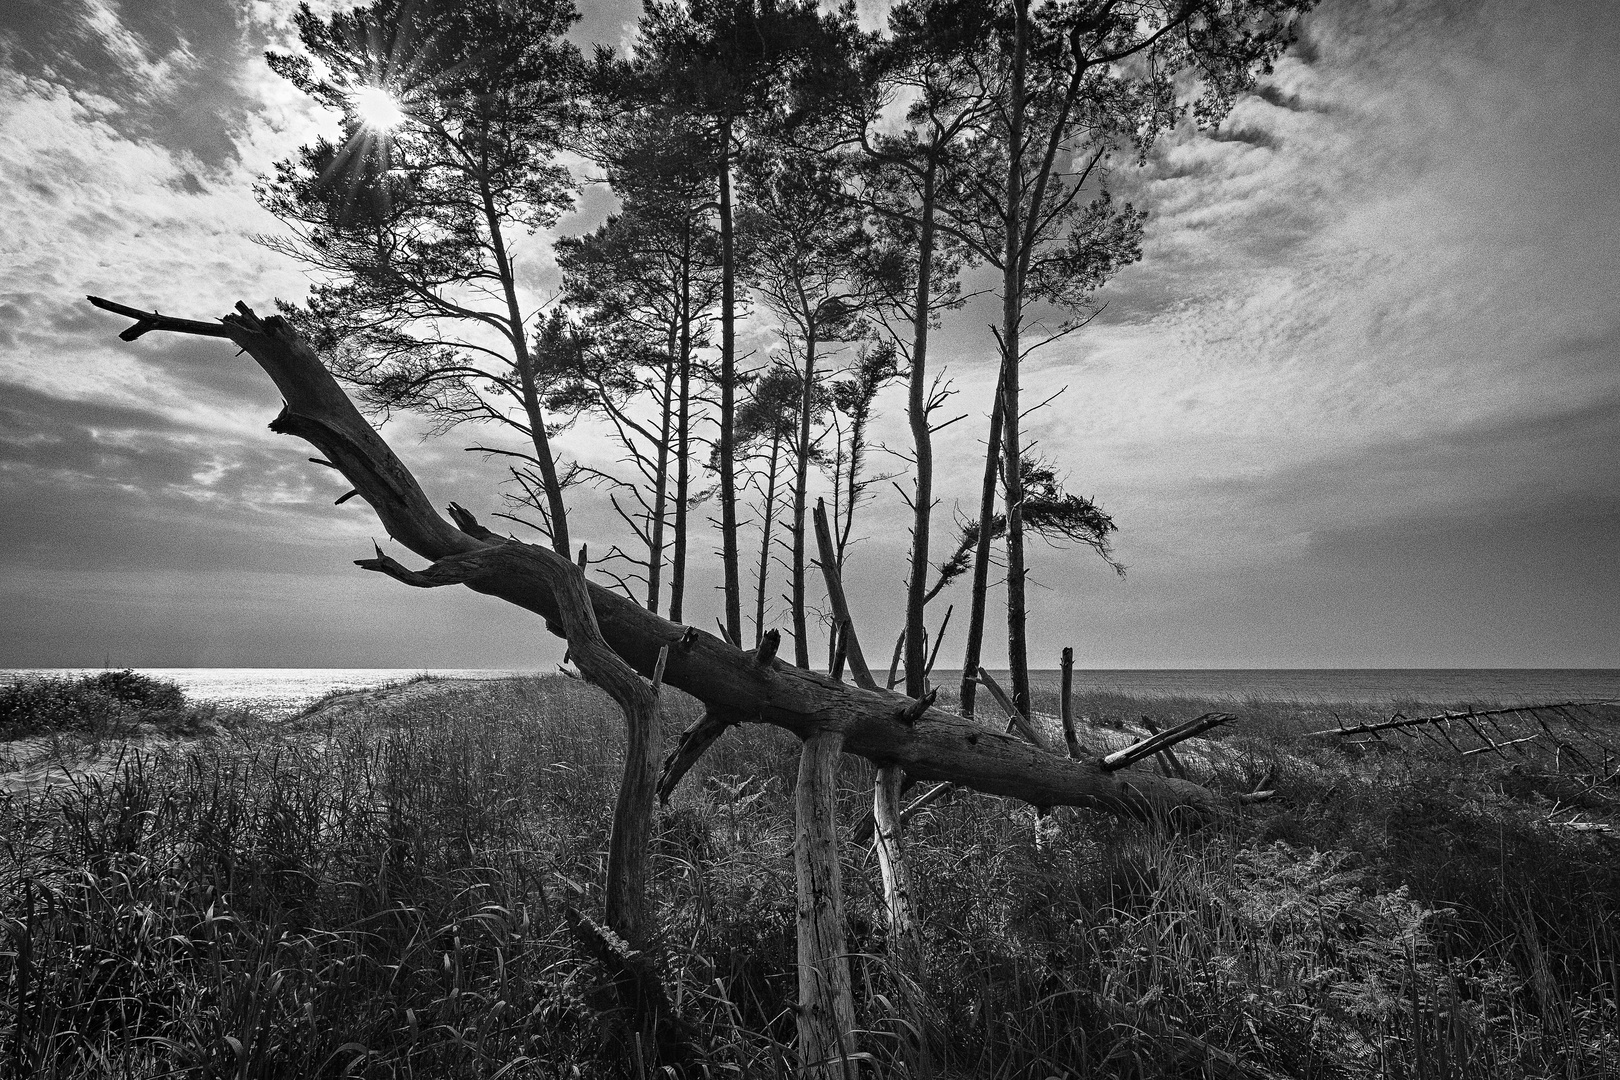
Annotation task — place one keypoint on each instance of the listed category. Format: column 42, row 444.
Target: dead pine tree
column 735, row 686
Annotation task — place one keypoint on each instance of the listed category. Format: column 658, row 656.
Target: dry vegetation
column 377, row 889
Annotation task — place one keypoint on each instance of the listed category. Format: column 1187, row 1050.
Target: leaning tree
column 629, row 651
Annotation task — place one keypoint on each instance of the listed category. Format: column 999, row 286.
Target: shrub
column 90, row 704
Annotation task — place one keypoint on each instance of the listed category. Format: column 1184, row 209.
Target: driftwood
column 1575, row 732
column 1162, row 741
column 938, row 746
column 1016, row 720
column 1396, row 723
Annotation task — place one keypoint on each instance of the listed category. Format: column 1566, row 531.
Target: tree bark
column 1066, row 702
column 683, row 469
column 905, row 933
column 937, row 746
column 826, row 1001
column 801, row 494
column 633, row 812
column 979, row 598
column 905, row 930
column 556, row 511
column 801, row 487
column 660, row 510
column 922, row 442
column 765, row 541
column 726, row 449
column 1011, row 316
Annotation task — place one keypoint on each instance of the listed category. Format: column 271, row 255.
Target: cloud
column 1359, row 404
column 1377, row 303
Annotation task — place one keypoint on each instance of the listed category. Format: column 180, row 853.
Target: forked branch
column 939, row 746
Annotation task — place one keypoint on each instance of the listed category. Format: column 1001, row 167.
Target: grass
column 378, row 891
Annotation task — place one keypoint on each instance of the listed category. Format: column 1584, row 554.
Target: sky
column 1358, row 406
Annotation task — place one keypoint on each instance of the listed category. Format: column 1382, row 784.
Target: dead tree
column 892, row 731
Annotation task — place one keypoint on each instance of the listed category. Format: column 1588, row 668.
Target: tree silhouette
column 411, row 229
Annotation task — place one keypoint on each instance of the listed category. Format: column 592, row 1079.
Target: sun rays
column 376, row 108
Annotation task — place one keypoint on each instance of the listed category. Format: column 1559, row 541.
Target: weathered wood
column 1066, row 704
column 694, row 741
column 1398, row 722
column 1498, row 747
column 631, row 838
column 908, row 956
column 1016, row 721
column 765, row 651
column 864, row 831
column 147, row 321
column 1119, row 759
column 1169, row 763
column 826, row 1013
column 835, row 595
column 941, row 746
column 939, row 639
column 905, row 932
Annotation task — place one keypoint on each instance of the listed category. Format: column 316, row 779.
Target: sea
column 283, row 691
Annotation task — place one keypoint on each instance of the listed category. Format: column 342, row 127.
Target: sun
column 376, row 108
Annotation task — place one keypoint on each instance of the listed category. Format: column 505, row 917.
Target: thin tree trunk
column 906, row 950
column 556, row 511
column 922, row 441
column 683, row 471
column 981, row 557
column 727, row 447
column 765, row 542
column 1011, row 316
column 801, row 486
column 857, row 456
column 655, row 534
column 826, row 1003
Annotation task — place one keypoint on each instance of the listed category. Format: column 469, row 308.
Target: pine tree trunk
column 765, row 541
column 981, row 559
column 922, row 441
column 683, row 470
column 1011, row 316
column 660, row 510
column 801, row 487
column 556, row 511
column 726, row 449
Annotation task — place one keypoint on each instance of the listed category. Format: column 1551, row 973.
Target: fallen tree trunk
column 937, row 746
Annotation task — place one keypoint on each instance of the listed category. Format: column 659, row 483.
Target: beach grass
column 376, row 888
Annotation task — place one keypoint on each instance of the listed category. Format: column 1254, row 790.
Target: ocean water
column 1362, row 686
column 280, row 691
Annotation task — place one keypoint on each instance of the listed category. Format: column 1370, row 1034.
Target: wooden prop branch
column 905, row 928
column 939, row 746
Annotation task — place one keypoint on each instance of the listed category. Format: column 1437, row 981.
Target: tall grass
column 379, row 892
